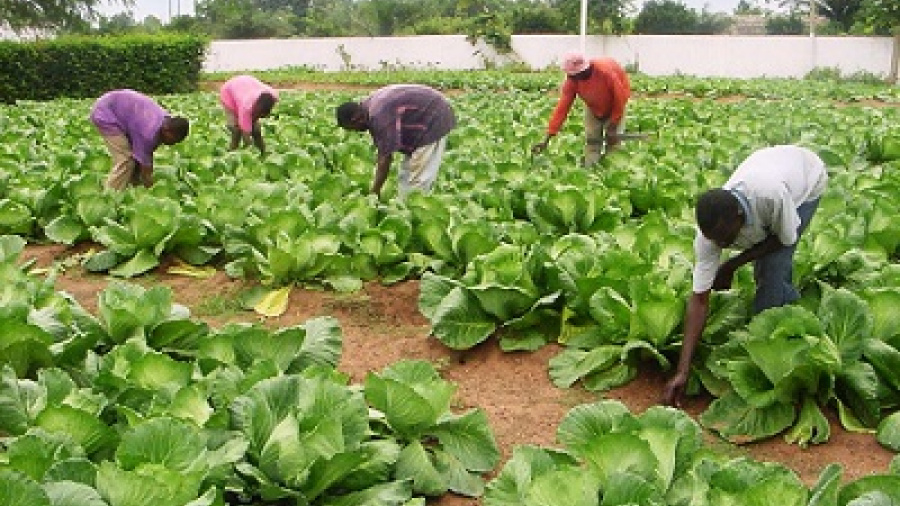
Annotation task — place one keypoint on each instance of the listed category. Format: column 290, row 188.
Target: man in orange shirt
column 605, row 89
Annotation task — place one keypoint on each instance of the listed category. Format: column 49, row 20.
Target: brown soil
column 382, row 325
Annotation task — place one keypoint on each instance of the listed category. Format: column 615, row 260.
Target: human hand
column 612, row 137
column 724, row 277
column 145, row 175
column 674, row 391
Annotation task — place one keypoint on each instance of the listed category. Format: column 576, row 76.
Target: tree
column 388, row 17
column 332, row 18
column 242, row 19
column 298, row 8
column 790, row 24
column 22, row 14
column 711, row 23
column 119, row 23
column 747, row 9
column 536, row 17
column 883, row 17
column 666, row 17
column 186, row 24
column 842, row 12
column 606, row 16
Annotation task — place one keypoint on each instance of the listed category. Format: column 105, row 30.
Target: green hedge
column 83, row 67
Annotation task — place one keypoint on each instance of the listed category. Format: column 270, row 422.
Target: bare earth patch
column 382, row 325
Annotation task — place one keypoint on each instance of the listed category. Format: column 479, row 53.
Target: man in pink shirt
column 603, row 86
column 133, row 125
column 246, row 99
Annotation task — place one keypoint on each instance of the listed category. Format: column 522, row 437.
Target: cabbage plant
column 788, row 364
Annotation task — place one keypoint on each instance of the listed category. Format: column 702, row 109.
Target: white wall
column 700, row 55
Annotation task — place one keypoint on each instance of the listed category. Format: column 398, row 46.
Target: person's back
column 773, row 170
column 239, row 94
column 404, row 117
column 761, row 211
column 408, row 118
column 133, row 115
column 604, row 87
column 605, row 93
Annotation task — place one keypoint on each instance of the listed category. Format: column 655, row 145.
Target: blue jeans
column 774, row 272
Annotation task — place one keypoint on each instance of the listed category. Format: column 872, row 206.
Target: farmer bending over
column 605, row 89
column 133, row 125
column 246, row 100
column 408, row 118
column 762, row 210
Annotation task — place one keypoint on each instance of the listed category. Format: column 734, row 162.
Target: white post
column 812, row 18
column 584, row 5
column 813, row 15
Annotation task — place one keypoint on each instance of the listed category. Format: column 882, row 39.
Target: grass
column 219, row 305
column 358, row 305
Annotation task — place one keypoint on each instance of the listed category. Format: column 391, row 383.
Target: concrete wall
column 699, row 55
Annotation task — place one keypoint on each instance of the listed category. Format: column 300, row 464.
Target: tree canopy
column 492, row 20
column 22, row 14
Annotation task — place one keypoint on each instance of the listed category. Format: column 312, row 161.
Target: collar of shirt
column 744, row 203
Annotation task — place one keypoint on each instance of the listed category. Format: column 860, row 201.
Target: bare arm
column 541, row 146
column 381, row 172
column 726, row 271
column 235, row 138
column 146, row 175
column 258, row 139
column 694, row 323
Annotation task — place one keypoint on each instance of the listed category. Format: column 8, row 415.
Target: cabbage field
column 142, row 403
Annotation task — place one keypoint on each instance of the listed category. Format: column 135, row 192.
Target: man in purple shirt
column 408, row 118
column 133, row 125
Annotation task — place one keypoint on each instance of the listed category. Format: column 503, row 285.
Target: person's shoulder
column 242, row 80
column 606, row 62
column 125, row 95
column 410, row 88
column 119, row 92
column 608, row 66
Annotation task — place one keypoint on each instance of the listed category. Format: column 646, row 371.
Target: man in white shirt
column 761, row 210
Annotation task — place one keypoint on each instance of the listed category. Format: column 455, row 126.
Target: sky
column 162, row 9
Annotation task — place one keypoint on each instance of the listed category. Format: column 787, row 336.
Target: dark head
column 584, row 75
column 173, row 130
column 719, row 216
column 263, row 105
column 352, row 116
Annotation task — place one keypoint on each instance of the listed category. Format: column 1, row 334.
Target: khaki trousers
column 124, row 170
column 595, row 136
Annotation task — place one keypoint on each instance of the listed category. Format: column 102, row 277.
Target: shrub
column 81, row 67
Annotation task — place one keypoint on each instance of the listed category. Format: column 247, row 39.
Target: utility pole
column 813, row 16
column 583, row 38
column 814, row 51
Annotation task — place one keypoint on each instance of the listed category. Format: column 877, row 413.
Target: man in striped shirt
column 408, row 118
